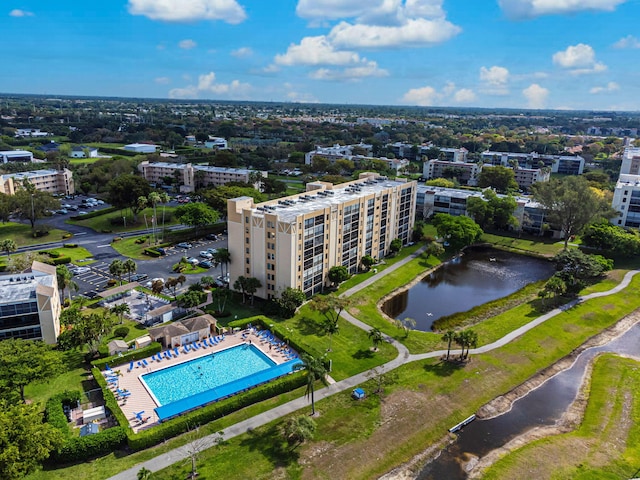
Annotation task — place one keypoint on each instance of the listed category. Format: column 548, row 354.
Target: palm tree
column 120, row 309
column 251, row 286
column 315, row 371
column 164, row 199
column 376, row 337
column 173, row 282
column 296, row 430
column 330, row 327
column 223, row 257
column 129, row 267
column 143, row 474
column 471, row 340
column 8, row 245
column 116, row 268
column 449, row 337
column 461, row 339
column 64, row 277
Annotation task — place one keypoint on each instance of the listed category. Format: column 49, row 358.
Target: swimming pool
column 190, row 378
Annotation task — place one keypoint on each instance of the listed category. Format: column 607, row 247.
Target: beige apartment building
column 191, row 176
column 294, row 241
column 51, row 181
column 30, row 304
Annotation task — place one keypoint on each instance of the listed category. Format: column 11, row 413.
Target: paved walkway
column 180, row 454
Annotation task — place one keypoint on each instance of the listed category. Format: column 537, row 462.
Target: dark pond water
column 542, row 406
column 479, row 276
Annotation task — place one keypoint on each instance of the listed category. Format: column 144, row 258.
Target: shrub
column 121, row 332
column 54, row 410
column 70, row 245
column 95, row 213
column 105, row 230
column 67, row 235
column 111, row 282
column 54, row 254
column 152, row 252
column 83, row 448
column 141, row 240
column 125, row 358
column 117, row 239
column 60, row 260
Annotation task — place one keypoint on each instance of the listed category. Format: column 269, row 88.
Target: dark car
column 91, row 294
column 212, row 236
column 206, row 264
column 161, row 251
column 139, row 276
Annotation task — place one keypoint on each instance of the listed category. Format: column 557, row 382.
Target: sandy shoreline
column 502, row 404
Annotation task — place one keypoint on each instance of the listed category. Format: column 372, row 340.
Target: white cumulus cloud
column 579, row 59
column 316, row 51
column 242, row 52
column 374, row 11
column 536, row 96
column 495, row 76
column 229, row 11
column 627, row 42
column 207, row 85
column 368, row 69
column 429, row 96
column 187, row 44
column 609, row 87
column 413, row 32
column 16, row 12
column 534, row 8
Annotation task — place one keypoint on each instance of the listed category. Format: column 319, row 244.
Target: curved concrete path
column 181, row 454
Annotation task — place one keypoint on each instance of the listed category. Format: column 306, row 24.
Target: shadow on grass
column 362, row 354
column 270, row 444
column 443, row 368
column 308, row 326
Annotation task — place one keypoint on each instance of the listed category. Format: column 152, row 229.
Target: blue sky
column 566, row 54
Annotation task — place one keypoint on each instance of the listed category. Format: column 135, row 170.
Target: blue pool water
column 205, row 373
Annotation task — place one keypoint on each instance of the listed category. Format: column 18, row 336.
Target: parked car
column 79, row 270
column 224, row 279
column 193, row 261
column 138, row 277
column 206, row 254
column 91, row 295
column 212, row 236
column 185, row 245
column 62, row 211
column 206, row 264
column 161, row 251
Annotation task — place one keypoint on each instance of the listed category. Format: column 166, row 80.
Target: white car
column 206, row 254
column 79, row 270
column 193, row 261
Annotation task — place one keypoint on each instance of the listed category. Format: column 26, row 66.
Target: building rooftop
column 21, row 287
column 15, row 152
column 31, row 174
column 460, row 193
column 289, row 208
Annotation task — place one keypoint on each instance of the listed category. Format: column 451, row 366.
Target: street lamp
column 124, row 221
column 33, row 210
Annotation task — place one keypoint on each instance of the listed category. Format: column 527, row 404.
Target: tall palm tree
column 120, row 309
column 129, row 267
column 330, row 327
column 376, row 337
column 461, row 339
column 116, row 268
column 64, row 277
column 315, row 371
column 471, row 340
column 223, row 257
column 164, row 199
column 449, row 337
column 154, row 199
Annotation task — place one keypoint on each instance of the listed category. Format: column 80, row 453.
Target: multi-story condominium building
column 337, row 152
column 433, row 200
column 19, row 156
column 447, row 154
column 525, row 177
column 51, row 181
column 194, row 176
column 294, row 241
column 565, row 164
column 30, row 304
column 467, row 173
column 626, row 196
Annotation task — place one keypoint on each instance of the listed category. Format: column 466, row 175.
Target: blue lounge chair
column 176, row 351
column 139, row 364
column 205, row 343
column 166, row 355
column 145, row 363
column 153, row 357
column 130, row 366
column 195, row 346
column 187, row 349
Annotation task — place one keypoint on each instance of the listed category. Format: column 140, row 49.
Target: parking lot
column 139, row 304
column 91, row 277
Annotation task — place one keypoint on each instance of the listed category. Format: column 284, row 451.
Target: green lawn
column 21, row 234
column 129, row 248
column 541, row 246
column 604, row 446
column 78, row 255
column 103, row 223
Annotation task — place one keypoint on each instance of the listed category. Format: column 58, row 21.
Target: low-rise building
column 564, row 164
column 294, row 241
column 30, row 304
column 31, row 132
column 51, row 181
column 216, row 142
column 467, row 173
column 447, row 154
column 141, row 148
column 84, row 152
column 525, row 177
column 17, row 156
column 192, row 177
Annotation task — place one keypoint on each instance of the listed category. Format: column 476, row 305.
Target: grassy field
column 605, row 445
column 78, row 255
column 21, row 234
column 103, row 223
column 541, row 246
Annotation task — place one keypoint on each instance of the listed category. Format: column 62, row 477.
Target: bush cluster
column 60, row 260
column 121, row 332
column 70, row 245
column 54, row 411
column 125, row 358
column 152, row 252
column 95, row 213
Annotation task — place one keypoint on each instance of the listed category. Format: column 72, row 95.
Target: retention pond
column 478, row 276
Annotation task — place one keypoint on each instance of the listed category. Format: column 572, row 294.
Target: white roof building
column 141, row 148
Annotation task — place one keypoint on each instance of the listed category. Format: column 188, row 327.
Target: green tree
column 240, row 285
column 376, row 337
column 25, row 440
column 65, row 280
column 217, row 197
column 223, row 257
column 434, row 249
column 395, row 246
column 172, row 283
column 129, row 266
column 220, row 297
column 457, row 231
column 120, row 309
column 338, row 274
column 251, row 286
column 196, row 215
column 6, row 207
column 449, row 337
column 116, row 269
column 330, row 327
column 26, row 361
column 157, row 287
column 492, row 211
column 570, row 204
column 556, row 286
column 190, row 300
column 440, row 182
column 143, row 474
column 330, row 306
column 8, row 245
column 124, row 191
column 367, row 261
column 88, row 330
column 297, row 430
column 498, row 177
column 290, row 299
column 315, row 371
column 33, row 204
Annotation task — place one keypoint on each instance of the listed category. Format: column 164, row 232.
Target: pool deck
column 141, row 401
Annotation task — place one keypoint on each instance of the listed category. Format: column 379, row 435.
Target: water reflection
column 477, row 277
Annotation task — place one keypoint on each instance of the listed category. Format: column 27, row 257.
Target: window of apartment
column 247, row 250
column 247, row 261
column 246, row 219
column 248, row 271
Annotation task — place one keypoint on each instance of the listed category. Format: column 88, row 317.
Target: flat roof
column 30, row 174
column 15, row 152
column 289, row 208
column 21, row 287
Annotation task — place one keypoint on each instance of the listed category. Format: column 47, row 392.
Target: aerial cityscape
column 327, row 239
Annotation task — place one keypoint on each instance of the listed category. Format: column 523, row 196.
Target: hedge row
column 152, row 252
column 54, row 412
column 111, row 402
column 59, row 260
column 214, row 411
column 95, row 213
column 70, row 245
column 136, row 354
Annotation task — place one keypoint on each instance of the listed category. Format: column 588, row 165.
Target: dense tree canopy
column 611, row 238
column 457, row 231
column 498, row 177
column 196, row 215
column 217, row 197
column 125, row 190
column 493, row 211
